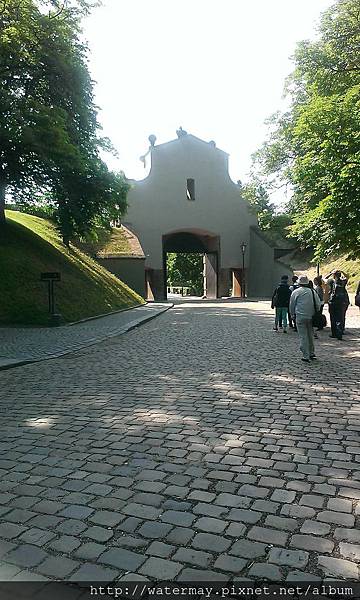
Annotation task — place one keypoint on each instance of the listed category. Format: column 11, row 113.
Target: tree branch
column 60, row 11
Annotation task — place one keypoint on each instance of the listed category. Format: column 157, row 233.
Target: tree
column 49, row 142
column 186, row 270
column 315, row 146
column 257, row 196
column 275, row 223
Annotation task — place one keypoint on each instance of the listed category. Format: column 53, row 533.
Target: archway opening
column 190, row 260
column 185, row 274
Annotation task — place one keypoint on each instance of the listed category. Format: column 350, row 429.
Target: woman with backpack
column 305, row 304
column 338, row 299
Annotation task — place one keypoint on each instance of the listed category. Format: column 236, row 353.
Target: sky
column 215, row 67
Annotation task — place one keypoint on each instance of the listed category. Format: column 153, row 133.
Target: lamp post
column 243, row 250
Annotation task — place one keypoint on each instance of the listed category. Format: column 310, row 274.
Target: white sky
column 216, row 67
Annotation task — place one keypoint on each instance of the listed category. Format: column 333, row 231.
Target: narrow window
column 190, row 189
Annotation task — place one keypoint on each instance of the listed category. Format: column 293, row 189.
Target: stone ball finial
column 181, row 132
column 152, row 139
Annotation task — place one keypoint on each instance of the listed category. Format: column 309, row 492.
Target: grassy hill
column 302, row 266
column 113, row 242
column 108, row 242
column 29, row 246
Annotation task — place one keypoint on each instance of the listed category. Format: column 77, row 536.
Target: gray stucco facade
column 129, row 269
column 265, row 272
column 189, row 203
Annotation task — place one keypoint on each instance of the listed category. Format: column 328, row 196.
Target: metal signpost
column 55, row 319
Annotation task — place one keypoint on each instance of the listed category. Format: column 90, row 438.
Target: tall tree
column 315, row 146
column 49, row 133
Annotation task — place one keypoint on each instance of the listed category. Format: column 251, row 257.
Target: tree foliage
column 186, row 270
column 275, row 223
column 49, row 132
column 255, row 193
column 315, row 145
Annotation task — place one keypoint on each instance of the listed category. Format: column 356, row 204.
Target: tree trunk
column 66, row 241
column 2, row 202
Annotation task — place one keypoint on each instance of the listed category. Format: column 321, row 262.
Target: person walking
column 357, row 296
column 318, row 287
column 304, row 302
column 280, row 301
column 294, row 285
column 338, row 300
column 311, row 286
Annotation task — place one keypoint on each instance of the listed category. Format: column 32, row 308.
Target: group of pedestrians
column 301, row 304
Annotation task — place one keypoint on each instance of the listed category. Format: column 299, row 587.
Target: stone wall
column 265, row 272
column 130, row 269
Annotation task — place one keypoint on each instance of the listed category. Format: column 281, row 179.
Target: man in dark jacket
column 280, row 301
column 338, row 299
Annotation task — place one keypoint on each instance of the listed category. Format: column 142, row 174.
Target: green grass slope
column 108, row 242
column 29, row 246
column 350, row 267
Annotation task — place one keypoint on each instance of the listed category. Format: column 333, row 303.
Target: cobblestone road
column 198, row 446
column 29, row 344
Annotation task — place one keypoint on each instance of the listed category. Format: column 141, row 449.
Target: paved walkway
column 20, row 345
column 197, row 446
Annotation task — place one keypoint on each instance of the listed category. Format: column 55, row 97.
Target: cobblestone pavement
column 197, row 446
column 29, row 344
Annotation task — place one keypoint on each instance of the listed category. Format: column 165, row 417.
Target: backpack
column 338, row 293
column 323, row 321
column 281, row 296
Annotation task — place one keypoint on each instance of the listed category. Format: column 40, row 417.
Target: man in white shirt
column 303, row 304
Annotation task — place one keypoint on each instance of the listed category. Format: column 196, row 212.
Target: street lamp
column 243, row 250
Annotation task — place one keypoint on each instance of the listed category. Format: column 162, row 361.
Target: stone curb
column 92, row 342
column 114, row 312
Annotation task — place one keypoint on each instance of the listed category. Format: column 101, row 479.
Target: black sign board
column 50, row 277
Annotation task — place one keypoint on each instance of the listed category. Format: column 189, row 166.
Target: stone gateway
column 188, row 203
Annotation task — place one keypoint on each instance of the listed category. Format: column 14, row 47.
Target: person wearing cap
column 280, row 301
column 303, row 302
